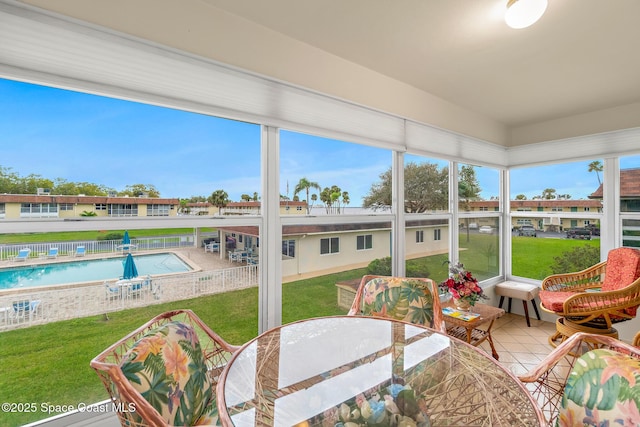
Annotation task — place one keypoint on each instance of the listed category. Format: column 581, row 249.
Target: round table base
column 565, row 328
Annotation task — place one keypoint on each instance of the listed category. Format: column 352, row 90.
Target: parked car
column 473, row 226
column 578, row 233
column 594, row 229
column 527, row 230
column 485, row 229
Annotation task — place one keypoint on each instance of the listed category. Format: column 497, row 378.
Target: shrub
column 111, row 236
column 382, row 267
column 577, row 259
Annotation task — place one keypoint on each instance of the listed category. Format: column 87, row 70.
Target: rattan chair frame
column 602, row 308
column 438, row 317
column 217, row 353
column 547, row 381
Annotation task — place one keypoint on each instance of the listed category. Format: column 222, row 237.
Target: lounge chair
column 24, row 308
column 212, row 247
column 80, row 251
column 53, row 253
column 23, row 255
column 113, row 291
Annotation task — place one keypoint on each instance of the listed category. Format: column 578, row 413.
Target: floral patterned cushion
column 399, row 298
column 623, row 267
column 554, row 300
column 602, row 390
column 167, row 367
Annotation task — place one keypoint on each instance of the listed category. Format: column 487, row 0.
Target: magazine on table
column 459, row 314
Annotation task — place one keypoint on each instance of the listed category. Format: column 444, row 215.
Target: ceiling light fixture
column 522, row 13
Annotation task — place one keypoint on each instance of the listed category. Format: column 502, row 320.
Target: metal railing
column 43, row 306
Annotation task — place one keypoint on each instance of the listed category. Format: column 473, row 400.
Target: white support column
column 270, row 286
column 505, row 228
column 398, row 243
column 610, row 226
column 454, row 238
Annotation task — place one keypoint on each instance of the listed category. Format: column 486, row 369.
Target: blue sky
column 78, row 137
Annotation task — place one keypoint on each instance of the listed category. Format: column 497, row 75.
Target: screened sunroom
column 536, row 128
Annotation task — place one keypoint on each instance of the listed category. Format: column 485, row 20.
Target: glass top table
column 367, row 370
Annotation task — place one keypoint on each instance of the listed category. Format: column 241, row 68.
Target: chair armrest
column 573, row 282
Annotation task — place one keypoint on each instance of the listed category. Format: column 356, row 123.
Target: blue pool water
column 89, row 270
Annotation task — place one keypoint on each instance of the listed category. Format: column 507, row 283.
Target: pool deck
column 202, row 260
column 212, row 274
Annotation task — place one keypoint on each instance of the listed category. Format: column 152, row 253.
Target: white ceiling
column 450, row 64
column 582, row 56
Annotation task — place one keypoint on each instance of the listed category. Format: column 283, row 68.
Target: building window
column 123, row 209
column 330, row 245
column 556, row 209
column 101, row 206
column 437, row 234
column 289, row 248
column 484, row 209
column 38, row 210
column 66, row 206
column 364, row 242
column 420, row 236
column 2, row 209
column 158, row 210
column 587, row 209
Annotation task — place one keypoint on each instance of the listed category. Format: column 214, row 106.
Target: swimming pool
column 89, row 270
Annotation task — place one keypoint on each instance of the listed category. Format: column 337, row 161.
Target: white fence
column 97, row 246
column 43, row 306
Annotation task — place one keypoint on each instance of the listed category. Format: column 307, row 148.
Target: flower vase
column 462, row 304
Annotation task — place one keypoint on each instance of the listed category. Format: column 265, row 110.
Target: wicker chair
column 594, row 299
column 147, row 391
column 413, row 300
column 587, row 377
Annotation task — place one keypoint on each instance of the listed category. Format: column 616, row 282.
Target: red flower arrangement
column 462, row 285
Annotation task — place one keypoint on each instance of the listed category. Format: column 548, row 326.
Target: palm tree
column 219, row 199
column 549, row 193
column 183, row 206
column 596, row 166
column 305, row 184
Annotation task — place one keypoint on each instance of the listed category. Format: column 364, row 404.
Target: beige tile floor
column 519, row 347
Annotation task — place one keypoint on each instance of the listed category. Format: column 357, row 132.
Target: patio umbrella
column 125, row 239
column 130, row 270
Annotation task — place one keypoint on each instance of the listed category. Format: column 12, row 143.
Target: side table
column 470, row 330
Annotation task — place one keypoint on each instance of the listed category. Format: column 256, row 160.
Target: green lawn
column 74, row 236
column 532, row 257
